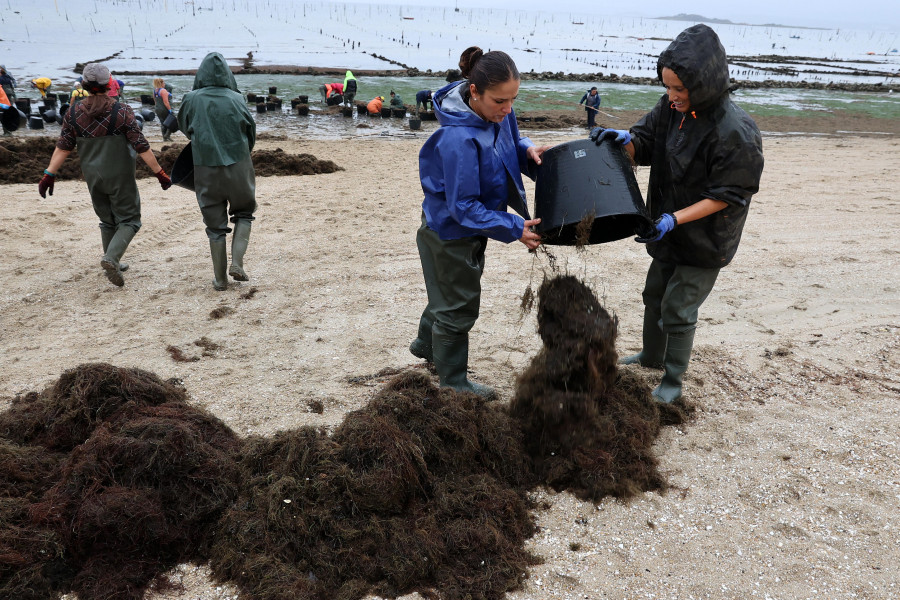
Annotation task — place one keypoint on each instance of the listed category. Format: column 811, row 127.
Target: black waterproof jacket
column 714, row 151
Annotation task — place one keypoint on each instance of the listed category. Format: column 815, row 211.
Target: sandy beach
column 784, row 485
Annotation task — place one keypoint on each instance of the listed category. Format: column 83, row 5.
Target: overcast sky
column 857, row 14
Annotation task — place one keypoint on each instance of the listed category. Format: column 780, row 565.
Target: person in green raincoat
column 222, row 131
column 349, row 88
column 108, row 138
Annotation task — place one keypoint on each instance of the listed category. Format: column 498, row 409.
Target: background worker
column 591, row 101
column 706, row 160
column 350, row 88
column 9, row 116
column 42, row 84
column 471, row 170
column 222, row 131
column 396, row 102
column 423, row 99
column 78, row 94
column 329, row 89
column 8, row 84
column 375, row 104
column 108, row 138
column 162, row 105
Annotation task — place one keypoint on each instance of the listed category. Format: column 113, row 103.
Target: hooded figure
column 705, row 157
column 222, row 131
column 349, row 88
column 471, row 170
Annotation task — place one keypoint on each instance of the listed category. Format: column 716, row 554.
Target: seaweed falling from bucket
column 587, row 426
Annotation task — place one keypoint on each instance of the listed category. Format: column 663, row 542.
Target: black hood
column 699, row 60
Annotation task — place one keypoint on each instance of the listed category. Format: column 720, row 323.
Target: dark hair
column 487, row 70
column 95, row 87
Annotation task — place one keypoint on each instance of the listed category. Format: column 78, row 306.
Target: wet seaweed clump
column 421, row 490
column 588, row 428
column 110, row 479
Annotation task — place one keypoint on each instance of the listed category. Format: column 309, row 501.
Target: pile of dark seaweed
column 110, row 477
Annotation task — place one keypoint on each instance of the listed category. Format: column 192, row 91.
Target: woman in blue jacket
column 706, row 160
column 471, row 169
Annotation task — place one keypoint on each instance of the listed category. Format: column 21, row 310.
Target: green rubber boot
column 654, row 339
column 451, row 358
column 678, row 355
column 239, row 242
column 106, row 235
column 114, row 251
column 219, row 254
column 421, row 346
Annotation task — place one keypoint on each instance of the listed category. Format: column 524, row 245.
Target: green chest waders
column 108, row 166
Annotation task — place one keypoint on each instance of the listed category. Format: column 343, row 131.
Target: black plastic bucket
column 183, row 169
column 148, row 114
column 35, row 122
column 147, row 99
column 49, row 115
column 24, row 104
column 428, row 115
column 302, row 109
column 50, row 102
column 303, row 98
column 171, row 122
column 270, row 106
column 334, row 100
column 260, row 107
column 251, row 98
column 415, row 123
column 10, row 118
column 398, row 112
column 347, row 111
column 139, row 120
column 361, row 109
column 273, row 90
column 385, row 112
column 580, row 178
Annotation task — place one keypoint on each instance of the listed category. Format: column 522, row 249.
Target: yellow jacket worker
column 42, row 84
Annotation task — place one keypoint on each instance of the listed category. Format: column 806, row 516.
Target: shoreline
column 407, row 71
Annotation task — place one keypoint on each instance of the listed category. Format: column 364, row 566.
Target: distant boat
column 795, row 37
column 409, row 18
column 577, row 22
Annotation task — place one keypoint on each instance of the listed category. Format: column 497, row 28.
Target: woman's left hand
column 531, row 239
column 535, row 152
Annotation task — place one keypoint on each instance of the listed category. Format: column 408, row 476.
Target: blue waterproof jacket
column 470, row 169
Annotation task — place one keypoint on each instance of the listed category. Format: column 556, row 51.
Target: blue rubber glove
column 598, row 134
column 663, row 225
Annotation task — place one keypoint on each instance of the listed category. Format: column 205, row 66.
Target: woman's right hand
column 530, row 238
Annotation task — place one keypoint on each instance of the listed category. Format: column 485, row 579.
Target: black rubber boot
column 451, row 358
column 678, row 355
column 654, row 340
column 421, row 346
column 239, row 241
column 219, row 254
column 114, row 251
column 106, row 235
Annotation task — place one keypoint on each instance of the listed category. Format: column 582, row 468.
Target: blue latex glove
column 663, row 225
column 598, row 134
